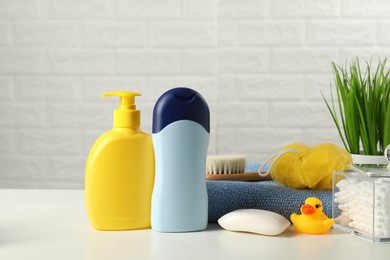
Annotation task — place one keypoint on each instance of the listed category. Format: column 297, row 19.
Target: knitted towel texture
column 227, row 196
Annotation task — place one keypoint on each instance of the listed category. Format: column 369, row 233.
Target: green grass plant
column 361, row 109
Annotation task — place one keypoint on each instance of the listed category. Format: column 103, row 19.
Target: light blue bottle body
column 179, row 200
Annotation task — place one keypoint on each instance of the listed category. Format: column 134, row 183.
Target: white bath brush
column 230, row 167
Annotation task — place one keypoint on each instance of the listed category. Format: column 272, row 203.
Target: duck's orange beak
column 307, row 209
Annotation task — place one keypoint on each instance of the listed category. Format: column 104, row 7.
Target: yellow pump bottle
column 119, row 173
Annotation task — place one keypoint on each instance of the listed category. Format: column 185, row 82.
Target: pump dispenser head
column 126, row 115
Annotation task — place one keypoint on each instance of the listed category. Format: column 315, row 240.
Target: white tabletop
column 52, row 224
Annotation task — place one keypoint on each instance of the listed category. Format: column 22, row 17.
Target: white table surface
column 52, row 224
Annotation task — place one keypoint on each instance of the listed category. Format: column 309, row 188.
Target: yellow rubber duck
column 312, row 220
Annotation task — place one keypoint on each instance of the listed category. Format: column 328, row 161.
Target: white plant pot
column 369, row 159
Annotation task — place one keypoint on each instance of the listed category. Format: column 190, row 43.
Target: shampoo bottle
column 119, row 173
column 181, row 127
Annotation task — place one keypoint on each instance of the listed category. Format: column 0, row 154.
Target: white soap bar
column 255, row 221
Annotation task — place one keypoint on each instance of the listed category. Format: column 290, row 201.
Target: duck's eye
column 318, row 206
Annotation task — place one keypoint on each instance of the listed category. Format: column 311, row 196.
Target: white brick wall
column 261, row 65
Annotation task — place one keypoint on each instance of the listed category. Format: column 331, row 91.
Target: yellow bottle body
column 119, row 180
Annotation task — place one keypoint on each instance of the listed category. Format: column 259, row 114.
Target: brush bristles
column 219, row 164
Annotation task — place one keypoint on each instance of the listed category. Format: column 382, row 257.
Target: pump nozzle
column 125, row 115
column 126, row 99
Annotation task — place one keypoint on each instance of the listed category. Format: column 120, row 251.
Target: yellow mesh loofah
column 309, row 167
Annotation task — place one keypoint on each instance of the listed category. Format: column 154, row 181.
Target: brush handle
column 247, row 176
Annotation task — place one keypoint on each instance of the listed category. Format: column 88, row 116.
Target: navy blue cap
column 180, row 104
